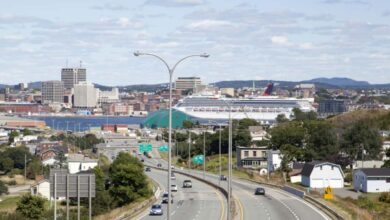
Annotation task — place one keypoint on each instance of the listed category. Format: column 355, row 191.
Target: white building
column 385, row 147
column 190, row 83
column 372, row 180
column 79, row 162
column 358, row 164
column 85, row 95
column 322, row 175
column 274, row 160
column 42, row 188
column 257, row 133
column 109, row 96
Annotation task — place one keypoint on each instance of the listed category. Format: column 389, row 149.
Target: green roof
column 159, row 119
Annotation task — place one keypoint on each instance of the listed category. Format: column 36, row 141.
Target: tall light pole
column 230, row 164
column 204, row 154
column 189, row 150
column 220, row 158
column 170, row 71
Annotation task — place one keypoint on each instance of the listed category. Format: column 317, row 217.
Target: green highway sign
column 198, row 159
column 145, row 147
column 163, row 148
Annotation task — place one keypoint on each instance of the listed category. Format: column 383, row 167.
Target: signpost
column 163, row 148
column 145, row 147
column 198, row 159
column 67, row 185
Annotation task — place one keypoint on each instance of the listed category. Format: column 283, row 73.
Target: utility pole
column 189, row 150
column 204, row 155
column 25, row 168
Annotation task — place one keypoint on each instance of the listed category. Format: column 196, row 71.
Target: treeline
column 83, row 142
column 342, row 139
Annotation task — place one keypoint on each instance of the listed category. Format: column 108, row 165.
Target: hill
column 378, row 118
column 339, row 81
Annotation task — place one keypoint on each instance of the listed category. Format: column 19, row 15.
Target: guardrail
column 330, row 212
column 219, row 188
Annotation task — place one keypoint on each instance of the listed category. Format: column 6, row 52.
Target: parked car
column 156, row 210
column 165, row 198
column 260, row 191
column 148, row 169
column 173, row 188
column 173, row 176
column 159, row 165
column 187, row 184
column 223, row 178
column 172, row 168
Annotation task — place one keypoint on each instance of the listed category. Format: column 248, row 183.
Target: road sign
column 163, row 148
column 145, row 147
column 198, row 159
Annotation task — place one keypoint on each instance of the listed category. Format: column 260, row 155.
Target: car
column 165, row 198
column 159, row 165
column 223, row 178
column 172, row 168
column 173, row 177
column 156, row 210
column 187, row 184
column 148, row 169
column 173, row 188
column 142, row 160
column 259, row 191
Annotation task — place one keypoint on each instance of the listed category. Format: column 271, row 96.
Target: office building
column 52, row 92
column 109, row 96
column 72, row 76
column 188, row 83
column 85, row 95
column 332, row 107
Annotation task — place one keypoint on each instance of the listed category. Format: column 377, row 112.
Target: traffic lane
column 277, row 201
column 189, row 203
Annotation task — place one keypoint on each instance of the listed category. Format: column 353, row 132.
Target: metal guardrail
column 330, row 212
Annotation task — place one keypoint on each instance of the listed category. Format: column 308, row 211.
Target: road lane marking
column 241, row 208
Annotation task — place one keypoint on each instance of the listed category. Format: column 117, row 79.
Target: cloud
column 175, row 3
column 362, row 2
column 280, row 40
column 209, row 24
column 111, row 7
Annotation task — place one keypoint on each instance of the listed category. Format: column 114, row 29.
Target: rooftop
column 376, row 171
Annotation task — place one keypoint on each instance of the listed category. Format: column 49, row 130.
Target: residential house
column 252, row 157
column 372, row 180
column 274, row 160
column 257, row 133
column 367, row 164
column 79, row 162
column 322, row 174
column 296, row 172
column 41, row 188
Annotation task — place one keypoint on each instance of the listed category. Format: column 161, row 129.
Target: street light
column 170, row 71
column 220, row 162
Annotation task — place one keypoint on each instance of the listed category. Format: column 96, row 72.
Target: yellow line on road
column 222, row 204
column 241, row 208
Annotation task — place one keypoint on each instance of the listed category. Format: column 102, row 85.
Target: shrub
column 385, row 197
column 348, row 178
column 3, row 188
column 11, row 182
column 365, row 202
column 31, row 207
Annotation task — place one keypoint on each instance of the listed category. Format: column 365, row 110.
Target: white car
column 173, row 177
column 173, row 188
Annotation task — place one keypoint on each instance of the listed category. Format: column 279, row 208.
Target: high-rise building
column 188, row 83
column 85, row 95
column 72, row 76
column 52, row 92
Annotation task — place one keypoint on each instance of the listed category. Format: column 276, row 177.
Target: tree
column 11, row 136
column 31, row 207
column 128, row 181
column 321, row 140
column 102, row 201
column 3, row 188
column 246, row 122
column 291, row 133
column 187, row 124
column 17, row 155
column 6, row 164
column 281, row 118
column 290, row 153
column 26, row 132
column 387, row 162
column 60, row 157
column 360, row 140
column 34, row 168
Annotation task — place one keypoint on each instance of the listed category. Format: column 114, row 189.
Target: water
column 84, row 123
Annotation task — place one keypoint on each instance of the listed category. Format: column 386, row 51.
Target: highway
column 200, row 202
column 276, row 204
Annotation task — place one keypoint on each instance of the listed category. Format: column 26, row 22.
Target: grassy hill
column 378, row 118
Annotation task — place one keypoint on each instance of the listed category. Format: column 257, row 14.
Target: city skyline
column 247, row 40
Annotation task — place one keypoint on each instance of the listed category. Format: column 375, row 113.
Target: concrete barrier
column 294, row 191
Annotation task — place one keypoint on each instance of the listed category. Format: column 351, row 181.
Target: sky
column 247, row 39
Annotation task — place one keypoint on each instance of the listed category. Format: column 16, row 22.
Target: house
column 79, row 162
column 372, row 180
column 296, row 172
column 322, row 174
column 257, row 133
column 252, row 157
column 41, row 188
column 367, row 164
column 274, row 160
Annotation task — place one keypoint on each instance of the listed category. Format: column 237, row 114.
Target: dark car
column 159, row 165
column 165, row 198
column 142, row 160
column 260, row 191
column 187, row 184
column 223, row 178
column 147, row 169
column 156, row 210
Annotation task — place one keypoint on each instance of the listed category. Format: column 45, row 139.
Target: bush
column 348, row 178
column 31, row 207
column 14, row 172
column 385, row 197
column 11, row 182
column 365, row 202
column 3, row 188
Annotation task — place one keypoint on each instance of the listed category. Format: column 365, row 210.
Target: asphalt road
column 276, row 204
column 200, row 202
